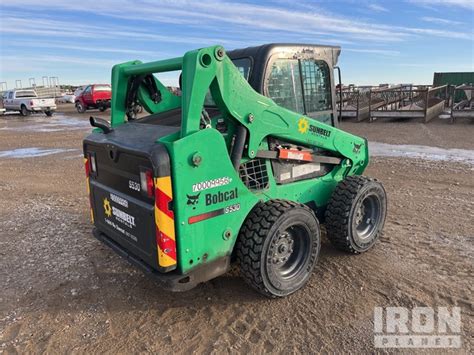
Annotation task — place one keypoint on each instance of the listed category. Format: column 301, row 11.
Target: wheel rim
column 367, row 217
column 290, row 252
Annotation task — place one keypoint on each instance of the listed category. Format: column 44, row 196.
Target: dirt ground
column 62, row 291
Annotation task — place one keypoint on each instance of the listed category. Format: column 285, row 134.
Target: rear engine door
column 122, row 198
column 124, row 167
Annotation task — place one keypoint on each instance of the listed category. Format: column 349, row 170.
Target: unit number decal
column 232, row 208
column 209, row 184
column 133, row 185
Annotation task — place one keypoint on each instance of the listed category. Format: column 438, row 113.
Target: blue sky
column 399, row 41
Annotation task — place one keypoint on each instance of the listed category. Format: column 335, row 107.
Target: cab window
column 303, row 86
column 102, row 88
column 284, row 84
column 243, row 65
column 317, row 86
column 25, row 94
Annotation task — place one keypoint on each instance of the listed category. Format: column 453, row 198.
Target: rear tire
column 278, row 247
column 48, row 113
column 24, row 111
column 80, row 107
column 356, row 214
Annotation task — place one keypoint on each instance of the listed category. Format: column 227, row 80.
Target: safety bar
column 155, row 67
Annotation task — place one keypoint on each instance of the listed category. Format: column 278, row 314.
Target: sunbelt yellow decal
column 303, row 125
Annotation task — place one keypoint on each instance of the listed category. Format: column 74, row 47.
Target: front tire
column 48, row 113
column 278, row 247
column 80, row 107
column 356, row 214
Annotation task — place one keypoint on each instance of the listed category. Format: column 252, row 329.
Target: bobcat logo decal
column 356, row 148
column 193, row 199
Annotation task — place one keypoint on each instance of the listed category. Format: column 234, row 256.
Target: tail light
column 164, row 219
column 93, row 164
column 90, row 164
column 87, row 167
column 32, row 103
column 146, row 182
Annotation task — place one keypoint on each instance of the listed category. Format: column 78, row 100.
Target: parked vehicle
column 67, row 98
column 2, row 108
column 96, row 96
column 27, row 101
column 79, row 90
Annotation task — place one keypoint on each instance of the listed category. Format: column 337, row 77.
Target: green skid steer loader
column 241, row 166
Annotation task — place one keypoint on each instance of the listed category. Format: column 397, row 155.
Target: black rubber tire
column 257, row 244
column 342, row 213
column 24, row 111
column 48, row 113
column 80, row 107
column 102, row 108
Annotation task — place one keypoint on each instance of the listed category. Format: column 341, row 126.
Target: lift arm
column 210, row 69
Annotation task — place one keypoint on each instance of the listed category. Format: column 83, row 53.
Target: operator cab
column 298, row 77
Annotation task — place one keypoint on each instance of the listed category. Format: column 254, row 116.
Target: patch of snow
column 31, row 152
column 421, row 152
column 55, row 123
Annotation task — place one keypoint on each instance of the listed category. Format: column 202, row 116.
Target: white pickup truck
column 2, row 108
column 27, row 101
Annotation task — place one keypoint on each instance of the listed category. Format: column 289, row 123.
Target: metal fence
column 50, row 86
column 464, row 106
column 41, row 91
column 355, row 102
column 408, row 102
column 51, row 91
column 399, row 101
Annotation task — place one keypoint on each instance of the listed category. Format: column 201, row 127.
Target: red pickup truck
column 96, row 96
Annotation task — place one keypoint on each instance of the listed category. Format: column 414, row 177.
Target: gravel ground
column 62, row 291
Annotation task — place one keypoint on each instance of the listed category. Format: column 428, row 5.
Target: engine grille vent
column 254, row 174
